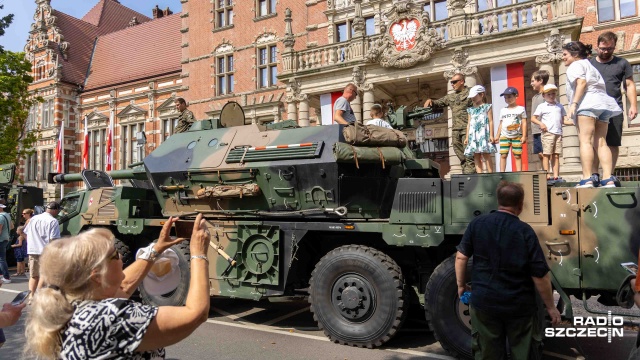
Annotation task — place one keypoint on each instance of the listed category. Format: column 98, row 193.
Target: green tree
column 15, row 102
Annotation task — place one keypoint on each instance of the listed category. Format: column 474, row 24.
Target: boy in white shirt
column 550, row 116
column 376, row 115
column 512, row 131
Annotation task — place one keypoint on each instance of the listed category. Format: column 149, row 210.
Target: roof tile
column 110, row 15
column 137, row 52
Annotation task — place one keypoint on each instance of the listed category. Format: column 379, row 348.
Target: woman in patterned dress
column 83, row 312
column 479, row 141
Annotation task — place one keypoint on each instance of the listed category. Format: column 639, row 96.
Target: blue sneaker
column 586, row 183
column 608, row 183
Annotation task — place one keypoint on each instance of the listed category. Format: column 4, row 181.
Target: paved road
column 284, row 329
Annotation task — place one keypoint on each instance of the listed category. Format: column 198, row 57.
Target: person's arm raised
column 136, row 272
column 174, row 323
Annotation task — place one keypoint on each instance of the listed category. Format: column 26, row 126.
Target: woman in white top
column 590, row 108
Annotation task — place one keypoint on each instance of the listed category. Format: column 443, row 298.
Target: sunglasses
column 453, row 82
column 115, row 256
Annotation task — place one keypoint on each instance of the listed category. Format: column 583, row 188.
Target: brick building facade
column 277, row 59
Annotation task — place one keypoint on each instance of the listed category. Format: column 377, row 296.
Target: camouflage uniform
column 184, row 121
column 459, row 103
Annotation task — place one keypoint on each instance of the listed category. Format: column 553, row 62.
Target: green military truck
column 360, row 228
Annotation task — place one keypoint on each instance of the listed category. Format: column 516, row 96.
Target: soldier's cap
column 510, row 91
column 53, row 206
column 549, row 87
column 475, row 90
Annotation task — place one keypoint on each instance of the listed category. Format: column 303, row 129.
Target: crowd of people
column 593, row 89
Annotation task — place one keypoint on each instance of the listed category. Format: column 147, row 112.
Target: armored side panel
column 609, row 229
column 23, row 197
column 474, row 195
column 246, row 171
column 7, row 174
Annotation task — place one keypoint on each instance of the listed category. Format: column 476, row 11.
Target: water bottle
column 466, row 297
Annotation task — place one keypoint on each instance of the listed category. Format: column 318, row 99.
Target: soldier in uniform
column 458, row 103
column 186, row 117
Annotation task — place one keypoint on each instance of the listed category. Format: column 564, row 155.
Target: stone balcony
column 466, row 28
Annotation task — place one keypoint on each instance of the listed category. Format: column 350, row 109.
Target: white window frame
column 223, row 9
column 270, row 7
column 168, row 125
column 616, row 12
column 47, row 162
column 269, row 64
column 31, row 167
column 430, row 7
column 349, row 25
column 98, row 148
column 227, row 74
column 131, row 152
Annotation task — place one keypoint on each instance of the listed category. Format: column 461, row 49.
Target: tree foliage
column 15, row 102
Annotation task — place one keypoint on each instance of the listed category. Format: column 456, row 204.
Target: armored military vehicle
column 359, row 228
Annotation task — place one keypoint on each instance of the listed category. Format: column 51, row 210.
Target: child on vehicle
column 479, row 140
column 512, row 131
column 550, row 116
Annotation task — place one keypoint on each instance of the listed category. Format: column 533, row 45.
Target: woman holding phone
column 83, row 311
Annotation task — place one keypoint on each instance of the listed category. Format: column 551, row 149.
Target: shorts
column 514, row 144
column 34, row 266
column 551, row 143
column 614, row 134
column 600, row 115
column 537, row 144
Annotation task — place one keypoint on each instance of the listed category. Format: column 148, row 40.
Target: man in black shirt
column 615, row 71
column 508, row 267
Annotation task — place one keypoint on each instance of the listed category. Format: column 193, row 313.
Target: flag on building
column 109, row 163
column 60, row 150
column 326, row 106
column 85, row 145
column 503, row 76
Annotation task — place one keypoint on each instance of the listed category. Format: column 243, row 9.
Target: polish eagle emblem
column 404, row 33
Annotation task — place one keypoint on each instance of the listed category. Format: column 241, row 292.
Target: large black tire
column 357, row 296
column 125, row 252
column 447, row 316
column 178, row 296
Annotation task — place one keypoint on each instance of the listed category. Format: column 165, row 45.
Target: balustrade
column 506, row 18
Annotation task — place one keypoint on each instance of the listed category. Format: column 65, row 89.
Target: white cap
column 475, row 90
column 164, row 275
column 2, row 206
column 549, row 87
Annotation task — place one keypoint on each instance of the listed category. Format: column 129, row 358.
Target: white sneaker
column 6, row 281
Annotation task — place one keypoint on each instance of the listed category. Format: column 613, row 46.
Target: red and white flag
column 503, row 76
column 60, row 150
column 85, row 146
column 326, row 106
column 109, row 164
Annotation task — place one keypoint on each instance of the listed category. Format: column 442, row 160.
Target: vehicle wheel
column 178, row 296
column 357, row 296
column 447, row 316
column 125, row 252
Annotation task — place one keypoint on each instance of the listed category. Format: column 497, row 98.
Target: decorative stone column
column 303, row 110
column 358, row 76
column 293, row 91
column 292, row 110
column 368, row 99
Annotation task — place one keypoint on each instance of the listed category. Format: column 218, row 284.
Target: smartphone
column 630, row 267
column 20, row 298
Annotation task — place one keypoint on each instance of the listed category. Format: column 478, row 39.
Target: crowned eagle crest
column 404, row 34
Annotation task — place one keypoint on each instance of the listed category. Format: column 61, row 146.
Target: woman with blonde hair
column 83, row 312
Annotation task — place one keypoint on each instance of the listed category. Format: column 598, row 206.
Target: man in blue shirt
column 342, row 112
column 508, row 267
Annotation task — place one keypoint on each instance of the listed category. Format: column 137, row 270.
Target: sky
column 17, row 33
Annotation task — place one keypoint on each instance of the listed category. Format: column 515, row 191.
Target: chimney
column 157, row 13
column 167, row 11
